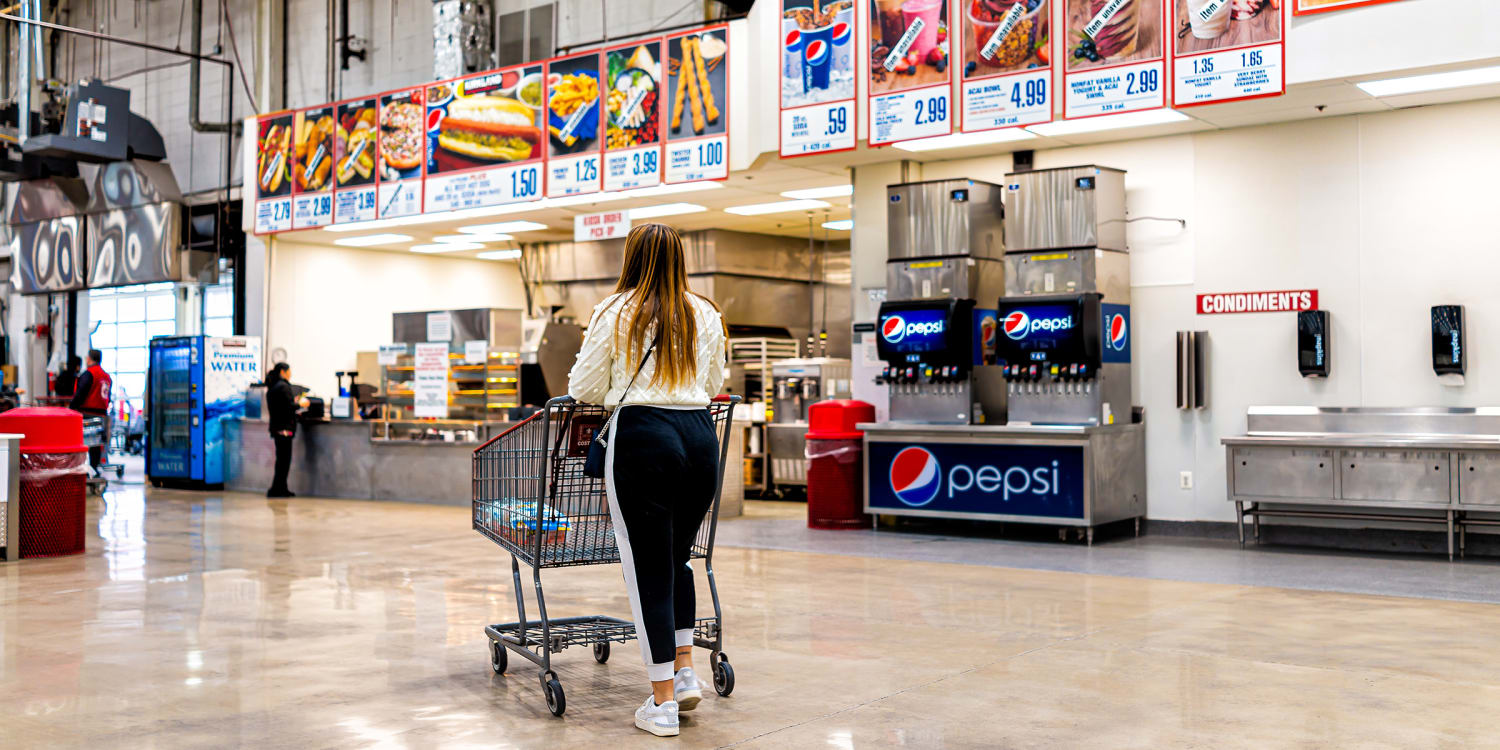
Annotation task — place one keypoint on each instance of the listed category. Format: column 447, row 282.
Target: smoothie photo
column 909, row 44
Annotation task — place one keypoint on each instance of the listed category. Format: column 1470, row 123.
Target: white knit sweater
column 601, row 373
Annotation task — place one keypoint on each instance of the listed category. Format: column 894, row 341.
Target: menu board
column 632, row 111
column 574, row 120
column 1006, row 53
column 911, row 86
column 484, row 139
column 1227, row 50
column 354, row 160
column 312, row 167
column 1114, row 59
column 399, row 168
column 1305, row 7
column 817, row 76
column 698, row 112
column 273, row 169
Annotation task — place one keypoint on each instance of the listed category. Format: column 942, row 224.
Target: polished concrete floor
column 213, row 621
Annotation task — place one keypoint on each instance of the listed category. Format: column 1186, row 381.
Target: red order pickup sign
column 606, row 226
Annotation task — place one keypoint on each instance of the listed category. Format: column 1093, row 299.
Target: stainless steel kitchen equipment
column 1066, row 358
column 1068, row 207
column 795, row 385
column 1433, row 465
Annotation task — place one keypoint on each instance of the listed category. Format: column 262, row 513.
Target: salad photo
column 633, row 103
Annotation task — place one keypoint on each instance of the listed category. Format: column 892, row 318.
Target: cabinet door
column 1479, row 478
column 1293, row 473
column 1395, row 476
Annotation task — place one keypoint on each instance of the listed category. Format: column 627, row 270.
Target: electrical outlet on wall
column 1185, row 480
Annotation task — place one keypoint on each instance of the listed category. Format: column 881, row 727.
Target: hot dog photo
column 485, row 120
column 274, row 156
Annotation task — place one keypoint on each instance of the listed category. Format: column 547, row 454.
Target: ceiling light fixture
column 672, row 189
column 446, row 247
column 831, row 191
column 842, row 225
column 367, row 240
column 1431, row 82
column 665, row 209
column 503, row 227
column 511, row 254
column 960, row 140
column 473, row 238
column 1108, row 122
column 779, row 207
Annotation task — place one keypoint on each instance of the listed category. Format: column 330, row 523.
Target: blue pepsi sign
column 1115, row 334
column 1040, row 326
column 975, row 478
column 915, row 331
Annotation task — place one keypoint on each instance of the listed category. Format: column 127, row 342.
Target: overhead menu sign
column 911, row 83
column 1006, row 53
column 1305, row 7
column 698, row 111
column 816, row 48
column 1114, row 59
column 312, row 167
column 400, row 156
column 632, row 116
column 1227, row 51
column 357, row 143
column 484, row 140
column 575, row 105
column 273, row 169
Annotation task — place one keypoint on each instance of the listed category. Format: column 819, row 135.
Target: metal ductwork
column 195, row 77
column 44, row 231
column 135, row 232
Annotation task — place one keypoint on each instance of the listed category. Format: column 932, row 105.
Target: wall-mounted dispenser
column 1312, row 343
column 1192, row 364
column 1449, row 349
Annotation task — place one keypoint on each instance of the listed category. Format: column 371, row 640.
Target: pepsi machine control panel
column 926, row 341
column 1066, row 358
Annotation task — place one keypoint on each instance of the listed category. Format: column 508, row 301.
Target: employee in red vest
column 91, row 396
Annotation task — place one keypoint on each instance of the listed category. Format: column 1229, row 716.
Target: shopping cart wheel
column 557, row 703
column 497, row 657
column 723, row 675
column 601, row 652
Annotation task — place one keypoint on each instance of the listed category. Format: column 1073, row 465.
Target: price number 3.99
column 931, row 111
column 643, row 162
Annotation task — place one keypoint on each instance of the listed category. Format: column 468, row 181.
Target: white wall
column 327, row 303
column 1385, row 214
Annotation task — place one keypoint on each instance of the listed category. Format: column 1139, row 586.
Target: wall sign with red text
column 1225, row 51
column 609, row 225
column 1293, row 300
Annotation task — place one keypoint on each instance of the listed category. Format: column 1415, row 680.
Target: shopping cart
column 532, row 498
column 96, row 435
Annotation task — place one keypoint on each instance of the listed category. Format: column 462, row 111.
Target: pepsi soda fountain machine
column 1066, row 358
column 946, row 241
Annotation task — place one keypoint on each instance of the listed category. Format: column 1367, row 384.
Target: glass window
column 131, row 360
column 132, row 308
column 218, row 327
column 104, row 336
column 161, row 307
column 102, row 310
column 131, row 385
column 160, row 328
column 108, row 362
column 218, row 302
column 131, row 334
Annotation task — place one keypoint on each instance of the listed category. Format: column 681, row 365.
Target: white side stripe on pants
column 654, row 672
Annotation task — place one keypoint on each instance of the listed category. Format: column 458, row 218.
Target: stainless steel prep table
column 1093, row 474
column 1417, row 465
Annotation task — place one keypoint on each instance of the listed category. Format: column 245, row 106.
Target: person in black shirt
column 67, row 380
column 282, row 406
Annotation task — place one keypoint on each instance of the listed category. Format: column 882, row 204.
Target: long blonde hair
column 654, row 280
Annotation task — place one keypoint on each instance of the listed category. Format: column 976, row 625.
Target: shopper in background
column 655, row 353
column 67, row 380
column 282, row 405
column 91, row 398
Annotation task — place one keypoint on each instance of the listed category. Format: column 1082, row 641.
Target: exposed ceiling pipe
column 195, row 77
column 23, row 78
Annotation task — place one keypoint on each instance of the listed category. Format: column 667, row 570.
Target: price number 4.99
column 1033, row 93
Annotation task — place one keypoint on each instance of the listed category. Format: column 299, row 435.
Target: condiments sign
column 1294, row 300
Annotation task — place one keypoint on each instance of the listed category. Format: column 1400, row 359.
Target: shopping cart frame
column 536, row 640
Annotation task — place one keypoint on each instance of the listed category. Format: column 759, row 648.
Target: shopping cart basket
column 96, row 435
column 532, row 498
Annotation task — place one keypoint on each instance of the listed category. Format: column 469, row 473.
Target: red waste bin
column 835, row 471
column 54, row 472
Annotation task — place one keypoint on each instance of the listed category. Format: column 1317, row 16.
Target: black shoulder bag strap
column 593, row 465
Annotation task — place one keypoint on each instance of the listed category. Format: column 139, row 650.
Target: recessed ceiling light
column 959, row 140
column 756, row 209
column 473, row 238
column 511, row 254
column 1431, row 82
column 464, row 213
column 843, row 225
column 366, row 240
column 831, row 191
column 665, row 209
column 583, row 200
column 673, row 189
column 1108, row 122
column 446, row 247
column 503, row 227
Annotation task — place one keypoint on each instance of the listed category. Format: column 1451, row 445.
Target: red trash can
column 54, row 474
column 835, row 471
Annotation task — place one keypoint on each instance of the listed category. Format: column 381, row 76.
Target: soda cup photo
column 817, row 57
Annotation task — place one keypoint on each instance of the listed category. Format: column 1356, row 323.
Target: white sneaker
column 687, row 689
column 658, row 720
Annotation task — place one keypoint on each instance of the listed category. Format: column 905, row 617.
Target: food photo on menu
column 484, row 120
column 1132, row 33
column 1226, row 23
column 634, row 97
column 273, row 156
column 313, row 146
column 573, row 105
column 817, row 51
column 908, row 44
column 695, row 76
column 1027, row 45
column 401, row 117
column 356, row 143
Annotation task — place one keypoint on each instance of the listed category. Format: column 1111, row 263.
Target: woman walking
column 655, row 354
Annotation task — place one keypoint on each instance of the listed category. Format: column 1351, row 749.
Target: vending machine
column 195, row 384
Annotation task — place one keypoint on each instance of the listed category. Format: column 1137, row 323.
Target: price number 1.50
column 523, row 182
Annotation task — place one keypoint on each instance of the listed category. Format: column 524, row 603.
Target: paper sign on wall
column 389, row 353
column 605, row 226
column 430, row 381
column 439, row 326
column 476, row 352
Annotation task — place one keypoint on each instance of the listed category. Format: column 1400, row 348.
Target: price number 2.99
column 931, row 111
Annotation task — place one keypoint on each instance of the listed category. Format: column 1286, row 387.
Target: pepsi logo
column 794, row 40
column 915, row 476
column 894, row 329
column 841, row 33
column 1117, row 333
column 1017, row 325
column 817, row 51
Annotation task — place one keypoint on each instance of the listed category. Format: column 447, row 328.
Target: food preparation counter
column 1069, row 476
